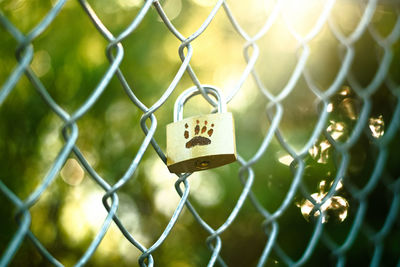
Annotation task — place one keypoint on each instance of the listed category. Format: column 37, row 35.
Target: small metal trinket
column 200, row 142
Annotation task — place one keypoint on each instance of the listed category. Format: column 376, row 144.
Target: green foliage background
column 70, row 60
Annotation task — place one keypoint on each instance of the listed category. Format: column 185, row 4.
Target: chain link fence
column 348, row 149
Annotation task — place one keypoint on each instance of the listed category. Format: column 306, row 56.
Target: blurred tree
column 70, row 60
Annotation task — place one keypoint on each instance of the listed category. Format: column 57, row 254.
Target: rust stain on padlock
column 198, row 140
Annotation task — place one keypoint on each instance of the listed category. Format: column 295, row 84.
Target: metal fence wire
column 354, row 139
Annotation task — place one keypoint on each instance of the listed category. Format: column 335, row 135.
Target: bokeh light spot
column 377, row 126
column 72, row 173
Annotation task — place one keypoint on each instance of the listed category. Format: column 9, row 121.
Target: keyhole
column 202, row 164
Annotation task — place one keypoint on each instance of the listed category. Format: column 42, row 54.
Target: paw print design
column 200, row 136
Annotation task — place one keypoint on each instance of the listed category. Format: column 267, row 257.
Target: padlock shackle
column 192, row 91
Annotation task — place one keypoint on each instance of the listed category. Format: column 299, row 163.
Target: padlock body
column 201, row 142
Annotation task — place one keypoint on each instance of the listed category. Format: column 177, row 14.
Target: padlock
column 200, row 142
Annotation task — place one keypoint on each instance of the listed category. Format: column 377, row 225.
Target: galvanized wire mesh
column 274, row 223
